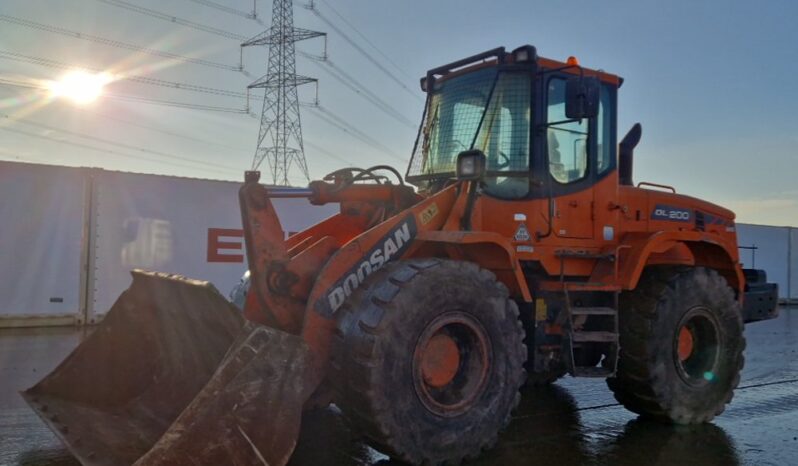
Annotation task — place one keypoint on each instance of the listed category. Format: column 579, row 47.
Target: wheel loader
column 520, row 251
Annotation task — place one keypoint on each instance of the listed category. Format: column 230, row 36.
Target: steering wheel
column 505, row 161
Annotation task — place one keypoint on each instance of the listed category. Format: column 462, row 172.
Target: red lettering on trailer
column 216, row 245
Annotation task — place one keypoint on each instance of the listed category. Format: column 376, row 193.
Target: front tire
column 428, row 360
column 681, row 334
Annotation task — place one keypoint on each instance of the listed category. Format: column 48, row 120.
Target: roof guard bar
column 498, row 52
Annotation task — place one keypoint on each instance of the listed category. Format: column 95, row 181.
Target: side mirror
column 582, row 97
column 471, row 165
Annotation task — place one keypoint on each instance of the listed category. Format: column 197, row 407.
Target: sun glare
column 80, row 86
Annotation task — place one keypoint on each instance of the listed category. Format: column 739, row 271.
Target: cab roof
column 523, row 54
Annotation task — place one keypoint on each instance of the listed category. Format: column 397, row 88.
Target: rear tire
column 681, row 334
column 428, row 360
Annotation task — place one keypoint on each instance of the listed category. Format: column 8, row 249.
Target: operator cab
column 547, row 128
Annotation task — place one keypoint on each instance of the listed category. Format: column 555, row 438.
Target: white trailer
column 70, row 237
column 775, row 250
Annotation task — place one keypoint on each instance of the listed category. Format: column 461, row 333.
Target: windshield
column 487, row 110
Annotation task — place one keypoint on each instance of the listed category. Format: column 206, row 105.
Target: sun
column 80, row 86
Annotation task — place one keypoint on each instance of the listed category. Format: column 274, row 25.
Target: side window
column 604, row 132
column 566, row 141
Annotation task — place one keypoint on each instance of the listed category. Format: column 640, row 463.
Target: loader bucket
column 175, row 375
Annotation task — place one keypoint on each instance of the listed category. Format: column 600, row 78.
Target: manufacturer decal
column 389, row 247
column 522, row 233
column 675, row 214
column 428, row 214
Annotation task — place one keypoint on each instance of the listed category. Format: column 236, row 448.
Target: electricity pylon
column 280, row 135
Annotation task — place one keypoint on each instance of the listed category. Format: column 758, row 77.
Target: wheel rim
column 696, row 347
column 686, row 343
column 451, row 363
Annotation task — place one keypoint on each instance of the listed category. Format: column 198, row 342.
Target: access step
column 597, row 332
column 594, row 337
column 593, row 311
column 597, row 371
column 558, row 286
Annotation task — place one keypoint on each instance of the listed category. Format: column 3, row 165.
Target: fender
column 637, row 249
column 348, row 267
column 472, row 245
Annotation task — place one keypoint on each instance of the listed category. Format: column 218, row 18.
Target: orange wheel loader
column 523, row 252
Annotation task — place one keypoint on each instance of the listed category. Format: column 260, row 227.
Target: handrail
column 656, row 185
column 498, row 52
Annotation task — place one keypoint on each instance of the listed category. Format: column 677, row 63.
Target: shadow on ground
column 546, row 430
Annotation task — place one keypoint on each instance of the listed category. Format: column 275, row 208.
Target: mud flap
column 174, row 375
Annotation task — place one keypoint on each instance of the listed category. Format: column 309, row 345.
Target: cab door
column 568, row 149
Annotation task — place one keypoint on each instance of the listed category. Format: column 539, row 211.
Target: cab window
column 604, row 132
column 566, row 141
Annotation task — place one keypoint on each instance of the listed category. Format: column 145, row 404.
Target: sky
column 712, row 83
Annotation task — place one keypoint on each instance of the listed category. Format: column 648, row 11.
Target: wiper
column 485, row 110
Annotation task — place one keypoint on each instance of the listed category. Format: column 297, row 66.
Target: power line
column 132, row 98
column 347, row 80
column 366, row 39
column 229, row 10
column 169, row 103
column 328, row 153
column 107, row 116
column 11, row 82
column 133, row 78
column 173, row 19
column 202, row 141
column 99, row 149
column 362, row 51
column 115, row 43
column 115, row 143
column 185, row 136
column 343, row 125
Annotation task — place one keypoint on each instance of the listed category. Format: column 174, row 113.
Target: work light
column 525, row 54
column 470, row 165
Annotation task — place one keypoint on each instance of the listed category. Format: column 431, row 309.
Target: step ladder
column 601, row 336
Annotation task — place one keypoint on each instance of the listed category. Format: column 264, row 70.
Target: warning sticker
column 428, row 214
column 522, row 233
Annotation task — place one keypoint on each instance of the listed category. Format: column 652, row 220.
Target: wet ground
column 574, row 422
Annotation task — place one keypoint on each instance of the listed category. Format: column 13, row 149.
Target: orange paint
column 685, row 348
column 440, row 360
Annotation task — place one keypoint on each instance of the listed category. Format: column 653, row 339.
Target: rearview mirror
column 581, row 97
